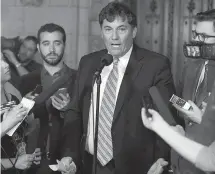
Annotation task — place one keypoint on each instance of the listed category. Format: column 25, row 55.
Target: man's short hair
column 51, row 27
column 208, row 15
column 33, row 39
column 117, row 9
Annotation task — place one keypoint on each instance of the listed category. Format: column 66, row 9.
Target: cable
column 3, row 167
column 7, row 156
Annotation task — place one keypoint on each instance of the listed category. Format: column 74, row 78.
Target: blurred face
column 205, row 29
column 118, row 36
column 5, row 71
column 27, row 51
column 51, row 47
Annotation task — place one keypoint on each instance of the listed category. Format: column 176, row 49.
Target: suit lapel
column 132, row 70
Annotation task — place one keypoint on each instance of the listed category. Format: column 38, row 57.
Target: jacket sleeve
column 72, row 128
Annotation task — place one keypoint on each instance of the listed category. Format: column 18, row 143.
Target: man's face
column 118, row 36
column 27, row 51
column 206, row 28
column 51, row 47
column 5, row 70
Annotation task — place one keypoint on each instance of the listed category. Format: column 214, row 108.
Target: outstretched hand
column 195, row 114
column 10, row 56
column 69, row 166
column 151, row 122
column 157, row 167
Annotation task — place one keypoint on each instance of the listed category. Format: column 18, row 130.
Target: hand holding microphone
column 152, row 122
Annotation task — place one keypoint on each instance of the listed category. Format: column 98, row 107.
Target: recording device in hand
column 61, row 91
column 180, row 102
column 161, row 105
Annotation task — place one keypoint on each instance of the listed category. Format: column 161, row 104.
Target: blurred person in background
column 20, row 55
column 13, row 149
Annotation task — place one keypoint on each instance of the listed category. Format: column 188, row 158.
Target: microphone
column 106, row 60
column 161, row 105
column 46, row 94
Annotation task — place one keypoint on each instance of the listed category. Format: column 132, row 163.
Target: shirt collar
column 59, row 73
column 127, row 55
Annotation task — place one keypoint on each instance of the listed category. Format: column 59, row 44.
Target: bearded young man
column 51, row 46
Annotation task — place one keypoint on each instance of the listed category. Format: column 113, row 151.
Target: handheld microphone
column 106, row 60
column 161, row 105
column 46, row 94
column 147, row 104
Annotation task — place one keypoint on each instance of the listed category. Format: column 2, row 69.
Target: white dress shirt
column 122, row 64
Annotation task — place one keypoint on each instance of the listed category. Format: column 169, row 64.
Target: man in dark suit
column 124, row 145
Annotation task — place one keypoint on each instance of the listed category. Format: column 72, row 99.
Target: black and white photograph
column 107, row 87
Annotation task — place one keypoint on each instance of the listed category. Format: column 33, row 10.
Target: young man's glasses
column 201, row 36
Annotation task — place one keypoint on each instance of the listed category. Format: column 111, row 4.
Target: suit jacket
column 135, row 148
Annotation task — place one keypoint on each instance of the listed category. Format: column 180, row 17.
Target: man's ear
column 101, row 33
column 134, row 32
column 38, row 48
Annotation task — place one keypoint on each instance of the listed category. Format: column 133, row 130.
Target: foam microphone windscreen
column 107, row 59
column 161, row 105
column 46, row 94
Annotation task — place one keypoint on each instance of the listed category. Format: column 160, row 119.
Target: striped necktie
column 105, row 147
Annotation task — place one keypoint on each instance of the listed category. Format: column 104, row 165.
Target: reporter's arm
column 21, row 70
column 192, row 151
column 184, row 146
column 4, row 128
column 209, row 154
column 11, row 57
